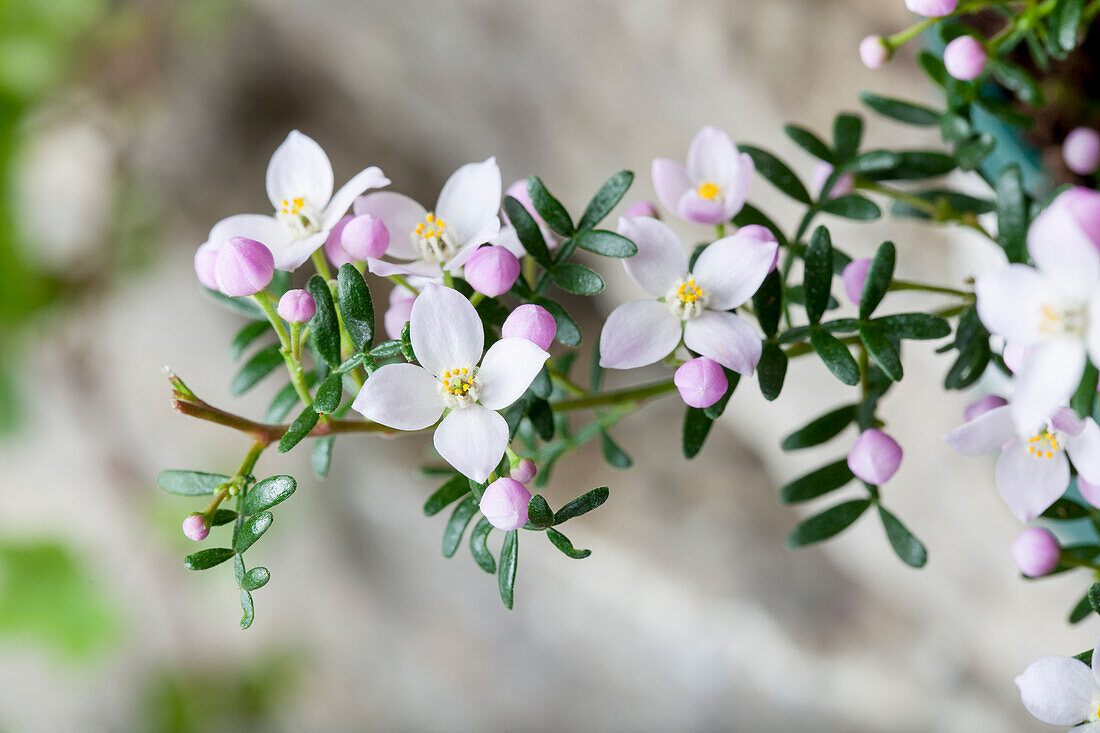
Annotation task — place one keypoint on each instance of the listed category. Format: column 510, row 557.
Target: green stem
column 1068, row 559
column 448, row 278
column 633, row 394
column 319, row 264
column 293, row 365
column 564, row 382
column 400, row 281
column 720, row 230
column 909, row 285
column 928, row 207
column 476, row 298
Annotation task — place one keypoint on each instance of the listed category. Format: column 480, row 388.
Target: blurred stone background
column 156, row 119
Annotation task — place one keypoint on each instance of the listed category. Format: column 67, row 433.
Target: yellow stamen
column 708, row 190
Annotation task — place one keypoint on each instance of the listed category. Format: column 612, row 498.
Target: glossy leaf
column 527, row 229
column 836, row 356
column 255, row 579
column 549, row 208
column 847, row 135
column 454, row 489
column 810, row 142
column 206, row 559
column 608, row 244
column 604, row 201
column 248, row 608
column 456, row 525
column 820, row 430
column 268, row 493
column 539, row 513
column 612, row 453
column 246, row 336
column 829, row 523
column 321, row 457
column 261, row 364
column 914, row 326
column 563, row 543
column 324, row 328
column 577, row 279
column 695, row 431
column 896, row 109
column 190, row 483
column 356, row 306
column 582, row 504
column 506, row 570
column 328, row 394
column 907, row 547
column 771, row 371
column 819, row 274
column 851, row 206
column 767, row 303
column 250, row 530
column 777, row 173
column 817, row 483
column 880, row 349
column 1012, row 213
column 479, row 546
column 569, row 333
column 301, row 427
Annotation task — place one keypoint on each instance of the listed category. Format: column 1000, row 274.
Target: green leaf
column 356, row 306
column 778, row 173
column 933, row 67
column 896, row 109
column 821, row 430
column 456, row 525
column 190, row 483
column 386, row 349
column 541, row 416
column 246, row 336
column 1080, row 612
column 872, row 161
column 819, row 274
column 506, row 572
column 851, row 206
column 771, row 371
column 238, row 569
column 1018, row 80
column 569, row 333
column 268, row 493
column 406, row 342
column 911, row 551
column 479, row 546
column 454, row 489
column 608, row 244
column 299, row 429
column 324, row 328
column 847, row 134
column 255, row 579
column 817, row 483
column 222, row 516
column 206, row 559
column 248, row 608
column 562, row 542
column 715, row 411
column 240, row 306
column 696, row 429
column 971, row 153
column 829, row 523
column 577, row 279
column 612, row 453
column 1085, row 396
column 914, row 326
column 262, row 363
column 582, row 504
column 1065, row 23
column 879, row 276
column 527, row 229
column 1012, row 213
column 810, row 142
column 251, row 529
column 881, row 350
column 328, row 394
column 767, row 303
column 549, row 208
column 604, row 201
column 1094, row 597
column 914, row 165
column 321, row 458
column 1065, row 509
column 539, row 513
column 836, row 356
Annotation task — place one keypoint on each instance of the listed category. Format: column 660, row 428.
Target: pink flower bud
column 492, row 270
column 965, row 58
column 875, row 457
column 1090, row 492
column 365, row 236
column 642, row 208
column 701, row 382
column 195, row 527
column 504, row 503
column 762, row 234
column 855, row 275
column 531, row 322
column 244, row 267
column 874, row 52
column 978, row 408
column 297, row 306
column 206, row 256
column 333, row 249
column 524, row 471
column 397, row 315
column 518, row 191
column 820, row 176
column 1081, row 151
column 932, row 8
column 1036, row 552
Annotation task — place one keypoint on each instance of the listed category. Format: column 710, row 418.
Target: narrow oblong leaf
column 821, row 430
column 562, row 542
column 1065, row 509
column 829, row 523
column 321, row 457
column 1065, row 23
column 251, row 529
column 328, row 394
column 222, row 516
column 1079, row 613
column 205, row 559
column 246, row 336
column 301, row 427
column 836, row 356
column 1012, row 213
column 569, row 333
column 851, row 206
column 772, row 371
column 896, row 109
column 255, row 579
column 817, row 483
column 847, row 135
column 479, row 546
column 577, row 279
column 240, row 306
column 767, row 303
column 539, row 513
column 506, row 571
column 914, row 326
column 1083, row 400
column 549, row 208
column 190, row 483
column 777, row 173
column 324, row 328
column 248, row 608
column 454, row 489
column 261, row 364
column 604, row 201
column 695, row 431
column 879, row 277
column 527, row 229
column 268, row 493
column 809, row 142
column 582, row 504
column 819, row 274
column 608, row 244
column 880, row 349
column 612, row 453
column 356, row 306
column 456, row 525
column 907, row 547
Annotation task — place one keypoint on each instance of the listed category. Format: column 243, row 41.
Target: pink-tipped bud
column 932, row 8
column 518, row 191
column 244, row 267
column 504, row 503
column 1036, row 552
column 701, row 382
column 531, row 322
column 762, row 234
column 820, row 176
column 195, row 527
column 492, row 270
column 855, row 275
column 524, row 471
column 965, row 58
column 875, row 457
column 333, row 249
column 397, row 315
column 297, row 306
column 206, row 257
column 365, row 236
column 1090, row 492
column 1081, row 151
column 979, row 407
column 874, row 52
column 642, row 208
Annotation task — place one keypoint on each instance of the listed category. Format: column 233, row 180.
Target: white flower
column 447, row 337
column 1063, row 691
column 299, row 184
column 692, row 305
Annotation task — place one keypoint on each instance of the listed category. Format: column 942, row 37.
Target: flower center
column 709, row 191
column 432, row 242
column 686, row 299
column 458, row 386
column 299, row 216
column 1044, row 445
column 1058, row 320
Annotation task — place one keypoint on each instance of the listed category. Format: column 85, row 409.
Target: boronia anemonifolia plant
column 475, row 347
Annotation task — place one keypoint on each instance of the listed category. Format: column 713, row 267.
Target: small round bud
column 244, row 267
column 701, row 382
column 761, row 233
column 854, row 276
column 365, row 236
column 965, row 58
column 932, row 8
column 642, row 208
column 504, row 503
column 531, row 322
column 333, row 249
column 492, row 270
column 875, row 457
column 297, row 306
column 206, row 257
column 1036, row 552
column 195, row 527
column 979, row 407
column 820, row 176
column 1090, row 492
column 874, row 52
column 1081, row 151
column 524, row 471
column 397, row 315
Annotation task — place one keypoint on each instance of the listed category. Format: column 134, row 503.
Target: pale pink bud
column 762, row 234
column 1090, row 492
column 932, row 8
column 701, row 382
column 874, row 52
column 504, row 503
column 642, row 208
column 965, row 58
column 1036, row 552
column 531, row 322
column 244, row 267
column 333, row 249
column 492, row 270
column 365, row 236
column 979, row 407
column 297, row 306
column 524, row 471
column 820, row 176
column 397, row 315
column 206, row 256
column 195, row 527
column 875, row 457
column 1081, row 151
column 518, row 191
column 855, row 275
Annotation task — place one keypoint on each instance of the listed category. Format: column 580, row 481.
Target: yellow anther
column 464, row 370
column 708, row 190
column 447, row 375
column 439, row 223
column 430, row 218
column 1049, row 454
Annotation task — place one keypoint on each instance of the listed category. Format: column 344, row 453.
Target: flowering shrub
column 481, row 352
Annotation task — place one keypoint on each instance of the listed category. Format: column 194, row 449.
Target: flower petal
column 738, row 191
column 509, row 367
column 1084, row 451
column 1057, row 690
column 1010, row 302
column 661, row 259
column 1050, row 375
column 445, row 329
column 402, row 396
column 712, row 158
column 472, row 440
column 1030, row 484
column 400, row 214
column 364, row 180
column 637, row 333
column 725, row 337
column 508, row 239
column 1092, row 335
column 1062, row 253
column 469, row 202
column 291, row 255
column 731, row 269
column 299, row 168
column 264, row 229
column 694, row 207
column 416, row 268
column 984, row 434
column 670, row 181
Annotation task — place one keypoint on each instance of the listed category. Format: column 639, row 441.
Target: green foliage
column 828, row 523
column 324, row 328
column 356, row 306
column 190, row 483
